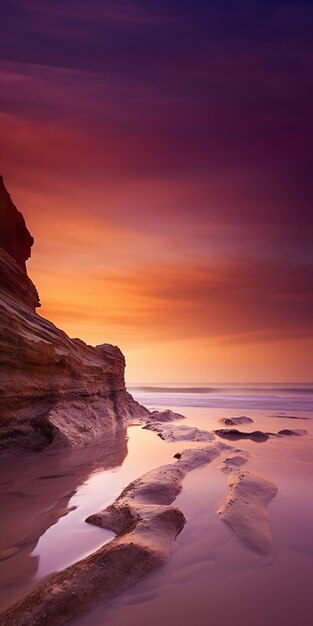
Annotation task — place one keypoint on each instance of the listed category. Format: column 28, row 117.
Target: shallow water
column 210, row 576
column 45, row 499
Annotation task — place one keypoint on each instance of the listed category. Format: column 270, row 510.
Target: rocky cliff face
column 15, row 238
column 54, row 390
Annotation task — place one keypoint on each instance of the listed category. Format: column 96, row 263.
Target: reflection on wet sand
column 38, row 490
column 207, row 556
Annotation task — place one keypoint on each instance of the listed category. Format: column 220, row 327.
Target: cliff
column 15, row 238
column 54, row 390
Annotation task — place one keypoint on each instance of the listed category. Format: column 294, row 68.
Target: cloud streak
column 234, row 301
column 161, row 153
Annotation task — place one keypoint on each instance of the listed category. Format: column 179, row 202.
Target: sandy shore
column 143, row 516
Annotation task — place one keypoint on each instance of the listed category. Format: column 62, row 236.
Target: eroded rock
column 15, row 237
column 54, row 391
column 233, row 421
column 165, row 416
column 234, row 462
column 181, row 432
column 146, row 525
column 290, row 417
column 234, row 434
column 292, row 432
column 245, row 509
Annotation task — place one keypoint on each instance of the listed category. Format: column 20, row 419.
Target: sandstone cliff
column 53, row 390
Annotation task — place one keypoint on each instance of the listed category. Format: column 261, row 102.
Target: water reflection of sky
column 211, row 576
column 71, row 538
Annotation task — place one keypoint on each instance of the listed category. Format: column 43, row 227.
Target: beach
column 211, row 572
column 156, row 313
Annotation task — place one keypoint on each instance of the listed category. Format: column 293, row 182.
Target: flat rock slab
column 245, row 509
column 289, row 417
column 165, row 416
column 181, row 432
column 234, row 462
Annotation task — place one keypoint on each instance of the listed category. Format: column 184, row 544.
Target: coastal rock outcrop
column 257, row 435
column 181, row 432
column 233, row 434
column 15, row 238
column 233, row 421
column 54, row 390
column 296, row 431
column 234, row 462
column 165, row 416
column 245, row 509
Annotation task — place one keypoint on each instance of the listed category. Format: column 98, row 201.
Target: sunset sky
column 161, row 152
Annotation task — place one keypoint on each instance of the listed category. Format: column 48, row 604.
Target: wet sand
column 208, row 562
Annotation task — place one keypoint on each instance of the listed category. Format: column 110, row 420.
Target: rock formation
column 233, row 421
column 165, row 416
column 181, row 432
column 233, row 434
column 54, row 390
column 257, row 435
column 15, row 238
column 245, row 509
column 146, row 525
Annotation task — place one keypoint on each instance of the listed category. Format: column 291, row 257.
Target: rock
column 174, row 432
column 244, row 509
column 165, row 416
column 290, row 417
column 54, row 391
column 232, row 421
column 296, row 431
column 231, row 463
column 9, row 552
column 233, row 434
column 257, row 435
column 15, row 238
column 146, row 525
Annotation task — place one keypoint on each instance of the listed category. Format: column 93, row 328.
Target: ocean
column 280, row 397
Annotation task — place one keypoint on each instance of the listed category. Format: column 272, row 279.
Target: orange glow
column 120, row 257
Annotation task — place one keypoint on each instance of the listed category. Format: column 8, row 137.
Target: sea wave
column 259, row 397
column 170, row 389
column 233, row 388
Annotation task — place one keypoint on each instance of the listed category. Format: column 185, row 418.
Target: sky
column 161, row 153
